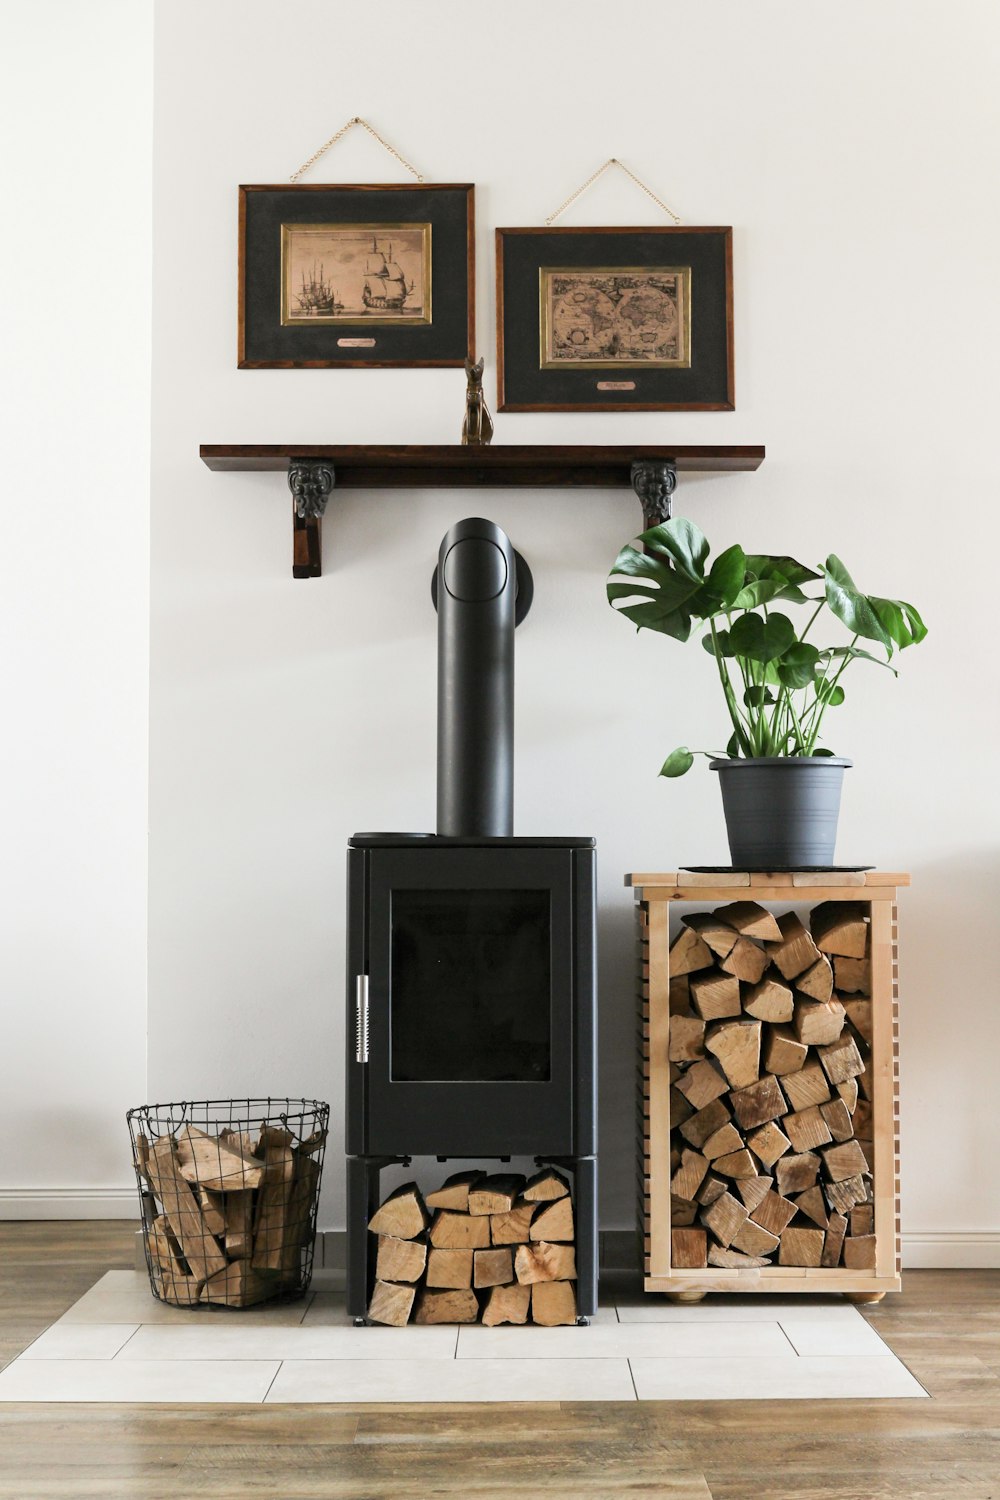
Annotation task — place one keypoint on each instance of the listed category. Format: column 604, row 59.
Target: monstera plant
column 778, row 680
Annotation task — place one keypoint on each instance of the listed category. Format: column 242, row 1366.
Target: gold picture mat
column 656, row 329
column 412, row 252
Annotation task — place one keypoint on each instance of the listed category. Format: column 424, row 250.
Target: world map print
column 610, row 318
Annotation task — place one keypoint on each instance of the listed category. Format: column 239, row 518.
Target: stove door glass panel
column 471, row 985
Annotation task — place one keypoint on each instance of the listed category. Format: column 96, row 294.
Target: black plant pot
column 781, row 813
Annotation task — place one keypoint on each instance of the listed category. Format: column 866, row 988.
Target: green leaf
column 656, row 580
column 724, row 582
column 764, row 565
column 822, row 752
column 761, row 640
column 900, row 619
column 835, row 698
column 853, row 607
column 755, row 697
column 675, row 623
column 682, row 541
column 797, row 668
column 840, row 652
column 677, row 762
column 722, row 636
column 733, row 748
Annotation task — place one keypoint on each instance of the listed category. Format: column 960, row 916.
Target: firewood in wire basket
column 214, row 1163
column 454, row 1191
column 807, row 1129
column 836, row 1229
column 544, row 1262
column 183, row 1211
column 737, row 1046
column 753, row 1239
column 774, row 1213
column 446, row 1307
column 493, row 1267
column 554, row 1222
column 725, row 1218
column 753, row 1191
column 238, row 1285
column 715, row 995
column 391, row 1304
column 400, row 1260
column 687, row 1039
column 770, row 1000
column 840, row 927
column 212, row 1206
column 818, row 1022
column 807, row 1086
column 735, row 1260
column 545, row 1186
column 273, row 1211
column 508, row 1304
column 496, row 1194
column 795, row 952
column 758, row 1103
column 801, row 1247
column 402, row 1214
column 454, row 1231
column 750, row 920
column 701, row 1084
column 697, row 1128
column 553, row 1303
column 719, row 936
column 176, row 1283
column 688, row 1249
column 783, row 1052
column 747, row 961
column 688, row 953
column 769, row 1143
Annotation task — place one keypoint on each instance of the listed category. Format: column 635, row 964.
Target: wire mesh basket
column 229, row 1190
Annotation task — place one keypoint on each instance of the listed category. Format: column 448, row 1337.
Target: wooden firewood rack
column 655, row 895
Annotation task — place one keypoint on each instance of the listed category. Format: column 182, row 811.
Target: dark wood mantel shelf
column 649, row 470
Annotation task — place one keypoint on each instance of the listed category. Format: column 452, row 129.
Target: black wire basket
column 229, row 1190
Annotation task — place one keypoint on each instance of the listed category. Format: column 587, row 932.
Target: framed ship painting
column 356, row 275
column 615, row 319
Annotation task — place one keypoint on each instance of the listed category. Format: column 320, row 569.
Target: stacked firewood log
column 771, row 1115
column 228, row 1215
column 498, row 1249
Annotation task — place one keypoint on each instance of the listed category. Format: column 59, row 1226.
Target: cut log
column 862, row 1219
column 846, row 1160
column 753, row 1191
column 679, row 996
column 755, row 1240
column 723, row 1142
column 701, row 1084
column 737, row 1046
column 719, row 936
column 400, row 1260
column 215, row 1163
column 446, row 1307
column 817, row 982
column 391, row 1304
column 735, row 1260
column 725, row 1218
column 454, row 1191
column 807, row 1086
column 840, row 927
column 545, row 1262
column 714, row 995
column 783, row 1052
column 758, row 1103
column 812, row 1204
column 688, row 953
column 545, row 1187
column 496, row 1194
column 836, row 1229
column 774, row 1213
column 842, row 1060
column 238, row 1285
column 697, row 1129
column 687, row 1038
column 402, row 1215
column 838, row 1119
column 750, row 920
column 688, row 1249
column 273, row 1211
column 862, row 1117
column 713, row 1187
column 454, row 1231
column 689, row 1175
column 859, row 1254
column 212, row 1207
column 555, row 1222
column 176, row 1284
column 845, row 1195
column 852, row 976
column 298, row 1228
column 450, row 1268
column 848, row 1091
column 238, row 1224
column 553, row 1303
column 183, row 1211
column 513, row 1228
column 736, row 1164
column 509, row 1304
column 312, row 1143
column 795, row 952
column 770, row 1000
column 807, row 1129
column 682, row 1210
column 818, row 1022
column 859, row 1013
column 680, row 1109
column 795, row 1174
column 768, row 1143
column 801, row 1247
column 747, row 961
column 493, row 1267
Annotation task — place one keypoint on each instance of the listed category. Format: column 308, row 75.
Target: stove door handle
column 361, row 1018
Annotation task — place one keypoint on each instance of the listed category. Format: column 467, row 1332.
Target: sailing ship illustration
column 385, row 288
column 318, row 297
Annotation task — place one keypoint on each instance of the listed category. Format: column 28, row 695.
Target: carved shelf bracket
column 654, row 484
column 310, row 481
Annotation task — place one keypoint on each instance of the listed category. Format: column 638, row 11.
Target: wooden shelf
column 649, row 470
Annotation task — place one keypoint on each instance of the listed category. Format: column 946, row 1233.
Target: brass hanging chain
column 612, row 161
column 355, row 120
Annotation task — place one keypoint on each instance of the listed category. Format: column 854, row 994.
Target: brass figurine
column 477, row 429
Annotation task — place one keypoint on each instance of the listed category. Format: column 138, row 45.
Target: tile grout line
column 631, row 1376
column 274, row 1377
column 131, row 1336
column 788, row 1337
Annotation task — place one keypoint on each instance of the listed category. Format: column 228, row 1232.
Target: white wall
column 853, row 149
column 76, row 126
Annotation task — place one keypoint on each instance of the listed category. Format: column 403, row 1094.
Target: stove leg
column 585, row 1174
column 362, row 1187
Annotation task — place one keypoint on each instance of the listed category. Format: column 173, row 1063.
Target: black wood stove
column 470, row 962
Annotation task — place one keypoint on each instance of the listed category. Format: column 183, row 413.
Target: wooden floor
column 945, row 1325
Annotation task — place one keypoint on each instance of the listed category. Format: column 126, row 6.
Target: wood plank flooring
column 945, row 1325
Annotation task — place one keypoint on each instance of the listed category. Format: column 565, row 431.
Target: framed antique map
column 611, row 319
column 356, row 275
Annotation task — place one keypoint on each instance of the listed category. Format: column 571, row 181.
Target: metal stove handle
column 361, row 1018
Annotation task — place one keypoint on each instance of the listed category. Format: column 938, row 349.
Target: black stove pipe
column 476, row 595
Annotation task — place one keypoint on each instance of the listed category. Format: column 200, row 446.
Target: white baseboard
column 69, row 1203
column 952, row 1250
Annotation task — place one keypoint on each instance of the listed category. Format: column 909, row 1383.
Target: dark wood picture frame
column 338, row 337
column 704, row 380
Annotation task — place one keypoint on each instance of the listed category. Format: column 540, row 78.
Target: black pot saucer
column 775, row 869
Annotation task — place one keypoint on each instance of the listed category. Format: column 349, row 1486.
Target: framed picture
column 356, row 275
column 615, row 319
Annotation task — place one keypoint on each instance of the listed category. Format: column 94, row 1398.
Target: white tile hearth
column 118, row 1344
